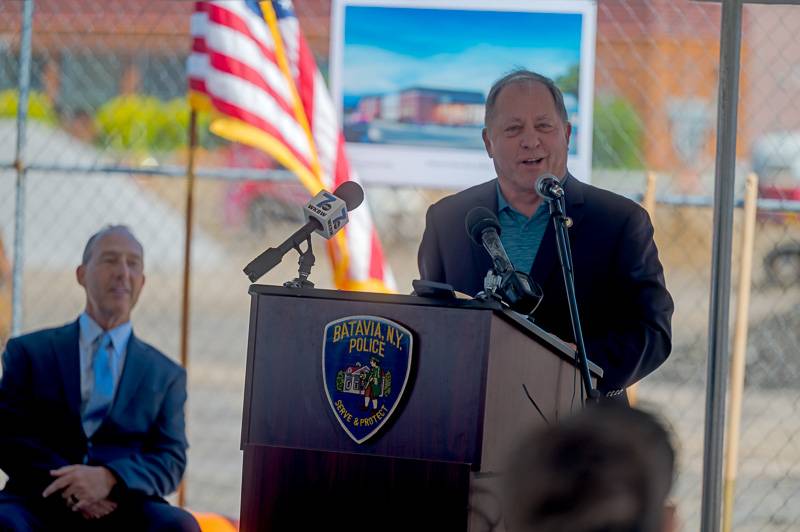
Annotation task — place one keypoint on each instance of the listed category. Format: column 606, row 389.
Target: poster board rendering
column 410, row 80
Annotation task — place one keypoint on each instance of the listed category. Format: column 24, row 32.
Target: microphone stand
column 560, row 224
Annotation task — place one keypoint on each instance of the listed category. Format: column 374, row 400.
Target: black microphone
column 326, row 214
column 483, row 228
column 549, row 187
column 351, row 193
column 515, row 288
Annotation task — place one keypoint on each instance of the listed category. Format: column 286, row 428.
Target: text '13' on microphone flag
column 252, row 68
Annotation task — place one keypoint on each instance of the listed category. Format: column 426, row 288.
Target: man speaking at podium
column 623, row 303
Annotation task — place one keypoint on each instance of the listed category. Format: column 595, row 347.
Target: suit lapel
column 547, row 256
column 573, row 192
column 132, row 374
column 67, row 353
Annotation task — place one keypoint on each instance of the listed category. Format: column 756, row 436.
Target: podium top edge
column 371, row 297
column 403, row 299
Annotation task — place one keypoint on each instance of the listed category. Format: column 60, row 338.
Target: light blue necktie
column 102, row 387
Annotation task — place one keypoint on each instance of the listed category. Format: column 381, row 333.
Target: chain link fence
column 106, row 142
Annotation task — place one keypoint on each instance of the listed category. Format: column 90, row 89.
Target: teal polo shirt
column 521, row 236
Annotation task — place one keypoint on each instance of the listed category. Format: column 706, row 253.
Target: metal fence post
column 19, row 164
column 724, row 184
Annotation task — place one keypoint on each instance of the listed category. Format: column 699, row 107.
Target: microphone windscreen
column 544, row 182
column 351, row 192
column 478, row 220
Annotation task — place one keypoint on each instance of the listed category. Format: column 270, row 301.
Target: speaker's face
column 526, row 137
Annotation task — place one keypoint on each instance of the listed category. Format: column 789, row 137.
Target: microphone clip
column 305, row 263
column 514, row 289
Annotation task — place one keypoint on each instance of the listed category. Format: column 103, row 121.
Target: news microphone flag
column 330, row 210
column 252, row 68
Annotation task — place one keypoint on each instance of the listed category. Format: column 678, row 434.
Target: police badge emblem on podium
column 366, row 363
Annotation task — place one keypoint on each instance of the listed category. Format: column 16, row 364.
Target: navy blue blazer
column 623, row 302
column 142, row 440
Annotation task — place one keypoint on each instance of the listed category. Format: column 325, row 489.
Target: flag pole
column 187, row 261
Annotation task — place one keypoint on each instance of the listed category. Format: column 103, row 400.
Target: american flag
column 252, row 68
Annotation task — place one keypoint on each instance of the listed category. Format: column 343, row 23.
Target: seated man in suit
column 92, row 431
column 608, row 468
column 619, row 282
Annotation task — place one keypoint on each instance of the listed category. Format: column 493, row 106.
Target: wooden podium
column 431, row 467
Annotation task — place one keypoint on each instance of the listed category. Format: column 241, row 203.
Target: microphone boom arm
column 273, row 256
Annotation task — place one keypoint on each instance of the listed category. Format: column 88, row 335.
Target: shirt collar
column 502, row 204
column 90, row 330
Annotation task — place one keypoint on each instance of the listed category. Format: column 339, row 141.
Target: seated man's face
column 113, row 276
column 526, row 137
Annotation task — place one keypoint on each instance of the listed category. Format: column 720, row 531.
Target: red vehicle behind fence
column 257, row 203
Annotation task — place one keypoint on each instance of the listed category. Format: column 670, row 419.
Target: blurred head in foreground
column 607, row 469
